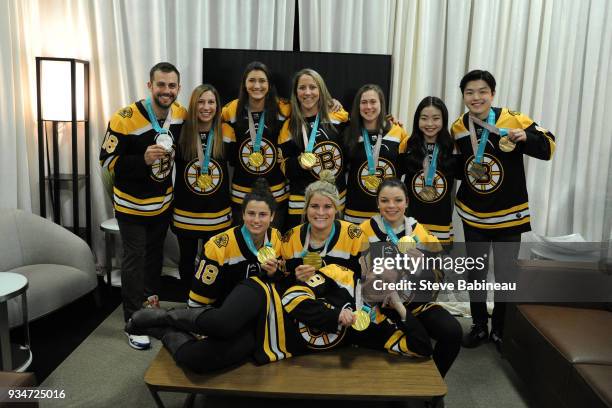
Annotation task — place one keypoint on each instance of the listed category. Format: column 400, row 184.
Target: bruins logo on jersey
column 126, row 112
column 192, row 171
column 354, row 231
column 439, row 183
column 268, row 152
column 162, row 168
column 287, row 236
column 492, row 179
column 320, row 340
column 384, row 169
column 221, row 240
column 329, row 157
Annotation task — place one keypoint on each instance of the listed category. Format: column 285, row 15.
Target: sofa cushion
column 591, row 386
column 580, row 335
column 50, row 287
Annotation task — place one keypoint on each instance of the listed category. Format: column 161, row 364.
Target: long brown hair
column 297, row 117
column 188, row 142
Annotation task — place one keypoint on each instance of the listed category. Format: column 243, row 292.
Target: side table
column 14, row 357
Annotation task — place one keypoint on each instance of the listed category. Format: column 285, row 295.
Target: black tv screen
column 343, row 73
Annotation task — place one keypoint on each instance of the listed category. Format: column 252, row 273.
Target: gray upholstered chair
column 58, row 264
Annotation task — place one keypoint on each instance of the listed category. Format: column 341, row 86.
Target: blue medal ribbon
column 324, row 251
column 249, row 240
column 484, row 137
column 206, row 159
column 260, row 129
column 432, row 167
column 152, row 117
column 313, row 136
column 367, row 145
column 392, row 235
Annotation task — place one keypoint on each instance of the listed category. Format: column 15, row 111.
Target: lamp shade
column 56, row 90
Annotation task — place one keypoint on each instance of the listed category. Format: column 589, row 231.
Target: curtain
column 551, row 60
column 122, row 40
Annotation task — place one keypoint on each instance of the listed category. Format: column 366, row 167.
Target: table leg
column 5, row 338
column 155, row 396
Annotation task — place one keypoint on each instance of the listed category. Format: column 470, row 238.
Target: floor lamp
column 62, row 95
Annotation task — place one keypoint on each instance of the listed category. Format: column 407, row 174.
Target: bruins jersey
column 304, row 319
column 240, row 147
column 361, row 200
column 374, row 231
column 201, row 211
column 343, row 248
column 499, row 200
column 435, row 215
column 227, row 260
column 328, row 150
column 141, row 193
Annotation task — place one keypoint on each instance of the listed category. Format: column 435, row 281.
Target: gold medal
column 313, row 259
column 308, row 159
column 428, row 193
column 363, row 320
column 406, row 243
column 478, row 170
column 265, row 253
column 371, row 182
column 256, row 159
column 204, row 181
column 506, row 145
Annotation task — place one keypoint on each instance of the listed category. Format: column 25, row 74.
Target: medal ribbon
column 153, row 118
column 310, row 141
column 393, row 236
column 479, row 151
column 249, row 240
column 256, row 138
column 371, row 156
column 429, row 167
column 205, row 160
column 307, row 241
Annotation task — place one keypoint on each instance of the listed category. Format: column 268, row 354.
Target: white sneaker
column 138, row 342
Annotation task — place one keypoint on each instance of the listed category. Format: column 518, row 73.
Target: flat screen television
column 343, row 73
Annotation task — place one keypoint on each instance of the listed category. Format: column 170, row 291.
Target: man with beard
column 139, row 149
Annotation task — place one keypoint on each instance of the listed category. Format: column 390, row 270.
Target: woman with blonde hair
column 310, row 140
column 201, row 188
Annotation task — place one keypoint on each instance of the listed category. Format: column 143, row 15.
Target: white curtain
column 122, row 39
column 552, row 61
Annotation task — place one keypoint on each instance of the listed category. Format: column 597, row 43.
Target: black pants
column 230, row 330
column 478, row 243
column 446, row 331
column 188, row 248
column 141, row 265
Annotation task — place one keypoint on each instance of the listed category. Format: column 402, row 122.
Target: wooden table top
column 349, row 373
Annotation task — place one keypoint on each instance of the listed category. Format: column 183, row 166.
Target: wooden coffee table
column 347, row 374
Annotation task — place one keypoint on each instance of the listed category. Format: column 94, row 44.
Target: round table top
column 11, row 285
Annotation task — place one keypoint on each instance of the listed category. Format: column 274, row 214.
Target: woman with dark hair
column 310, row 140
column 409, row 237
column 372, row 145
column 201, row 189
column 429, row 168
column 255, row 120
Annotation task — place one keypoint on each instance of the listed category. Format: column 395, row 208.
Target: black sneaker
column 496, row 338
column 477, row 336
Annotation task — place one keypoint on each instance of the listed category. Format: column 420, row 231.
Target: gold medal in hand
column 363, row 320
column 506, row 145
column 313, row 259
column 265, row 254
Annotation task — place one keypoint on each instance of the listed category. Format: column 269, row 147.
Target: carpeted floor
column 105, row 372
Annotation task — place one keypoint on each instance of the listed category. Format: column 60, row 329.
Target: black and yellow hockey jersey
column 240, row 147
column 304, row 319
column 201, row 211
column 343, row 248
column 360, row 200
column 141, row 193
column 374, row 231
column 327, row 148
column 227, row 261
column 499, row 201
column 435, row 215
